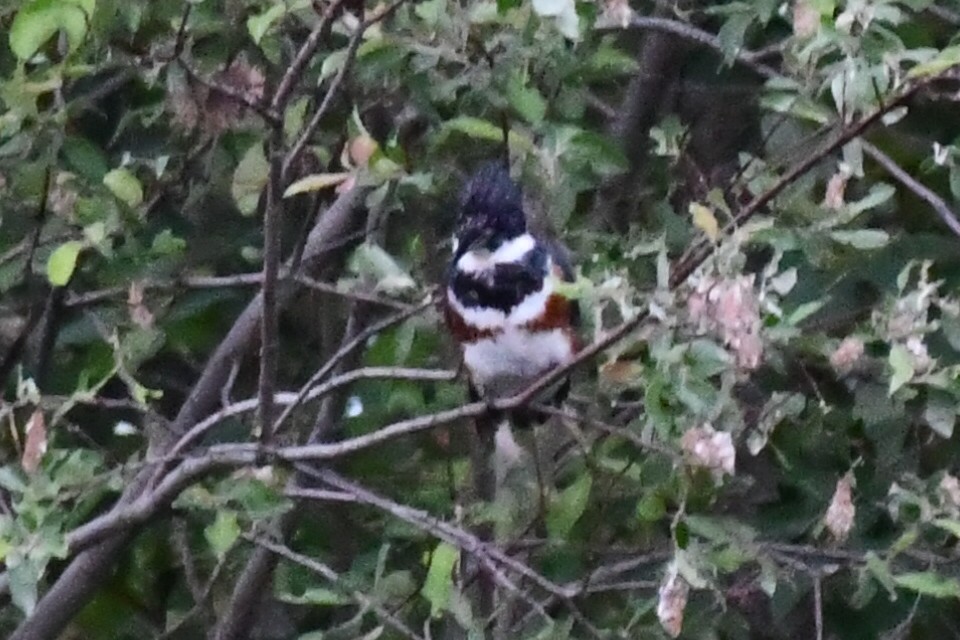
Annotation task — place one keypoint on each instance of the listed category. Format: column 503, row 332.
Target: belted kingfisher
column 502, row 304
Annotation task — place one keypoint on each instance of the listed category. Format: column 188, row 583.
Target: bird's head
column 491, row 210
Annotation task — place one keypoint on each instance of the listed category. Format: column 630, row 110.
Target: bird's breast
column 507, row 362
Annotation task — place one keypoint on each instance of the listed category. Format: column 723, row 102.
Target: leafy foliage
column 760, row 196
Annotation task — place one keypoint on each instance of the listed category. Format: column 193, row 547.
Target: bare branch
column 307, row 133
column 200, row 600
column 347, row 349
column 947, row 15
column 938, row 204
column 269, row 316
column 699, row 252
column 306, row 52
column 79, row 580
column 242, row 608
column 310, row 129
column 689, row 32
column 818, row 605
column 293, row 399
column 489, row 555
column 333, row 577
column 236, row 280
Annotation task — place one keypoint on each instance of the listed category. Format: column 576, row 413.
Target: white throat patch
column 512, row 250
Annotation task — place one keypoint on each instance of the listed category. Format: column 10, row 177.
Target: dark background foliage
column 229, row 407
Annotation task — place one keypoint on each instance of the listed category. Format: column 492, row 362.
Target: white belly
column 507, row 363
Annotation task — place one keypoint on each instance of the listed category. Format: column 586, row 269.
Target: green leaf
column 569, row 506
column 431, row 11
column 704, row 220
column 11, row 480
column 62, row 262
column 804, row 311
column 608, row 59
column 370, row 260
column 796, row 105
column 879, row 193
column 24, row 573
column 125, row 186
column 600, row 153
column 940, row 413
column 928, row 583
column 732, row 33
column 947, row 58
column 526, row 100
column 167, row 244
column 39, row 20
column 651, row 508
column 315, row 182
column 474, row 128
column 902, row 365
column 949, row 525
column 438, row 586
column 85, row 158
column 222, row 533
column 139, row 345
column 249, row 179
column 720, row 529
column 481, row 129
column 333, row 63
column 880, row 570
column 862, row 238
column 668, row 135
column 315, row 596
column 258, row 25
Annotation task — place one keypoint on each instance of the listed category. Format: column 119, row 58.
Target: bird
column 502, row 304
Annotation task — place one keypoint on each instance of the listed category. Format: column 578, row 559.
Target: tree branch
column 345, row 350
column 689, row 32
column 488, row 555
column 237, row 280
column 269, row 339
column 333, row 577
column 310, row 129
column 294, row 399
column 300, row 61
column 938, row 204
column 78, row 582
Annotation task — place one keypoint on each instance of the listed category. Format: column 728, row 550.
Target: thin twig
column 346, row 349
column 292, row 399
column 818, row 604
column 938, row 204
column 181, row 38
column 223, row 282
column 356, row 296
column 333, row 577
column 307, row 133
column 622, row 432
column 300, row 61
column 200, row 602
column 694, row 34
column 699, row 252
column 489, row 555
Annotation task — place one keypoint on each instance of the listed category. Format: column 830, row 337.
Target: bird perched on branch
column 502, row 304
